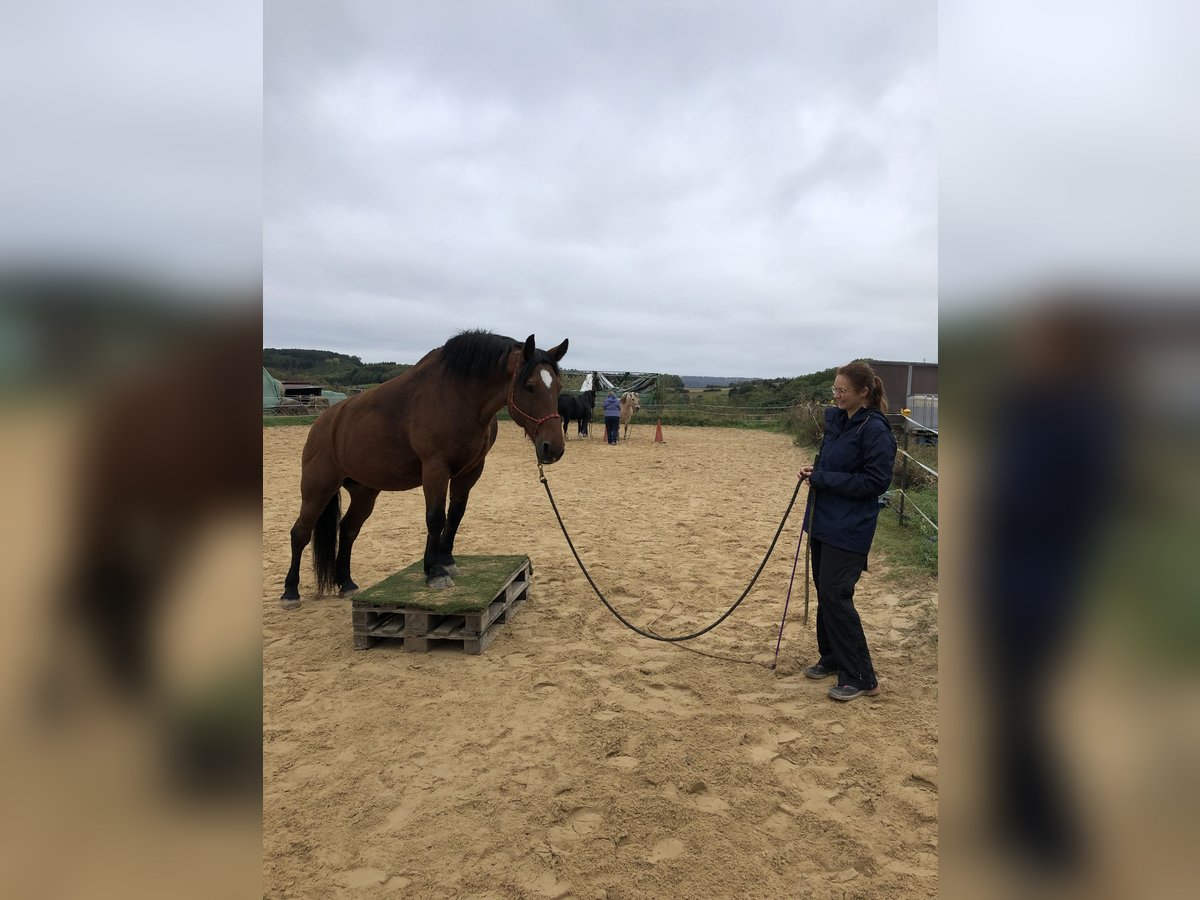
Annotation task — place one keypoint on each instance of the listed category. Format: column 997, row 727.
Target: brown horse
column 431, row 427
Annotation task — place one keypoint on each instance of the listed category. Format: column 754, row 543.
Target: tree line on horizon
column 343, row 372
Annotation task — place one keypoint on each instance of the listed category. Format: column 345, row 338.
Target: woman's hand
column 805, row 471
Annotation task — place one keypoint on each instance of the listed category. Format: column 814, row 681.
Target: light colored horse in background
column 630, row 403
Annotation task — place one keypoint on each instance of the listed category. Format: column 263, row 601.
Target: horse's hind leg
column 362, row 502
column 314, row 507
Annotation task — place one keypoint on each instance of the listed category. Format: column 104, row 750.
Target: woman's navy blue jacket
column 853, row 468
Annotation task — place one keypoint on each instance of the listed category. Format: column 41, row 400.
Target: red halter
column 512, row 406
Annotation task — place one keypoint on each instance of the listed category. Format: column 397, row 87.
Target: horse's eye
column 529, row 387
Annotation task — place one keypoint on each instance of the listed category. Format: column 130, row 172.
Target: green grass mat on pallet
column 480, row 580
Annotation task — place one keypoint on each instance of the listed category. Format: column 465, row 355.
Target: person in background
column 853, row 467
column 612, row 417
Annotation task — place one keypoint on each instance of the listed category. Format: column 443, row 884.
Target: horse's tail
column 324, row 545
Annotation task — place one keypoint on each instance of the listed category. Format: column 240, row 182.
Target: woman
column 853, row 467
column 612, row 417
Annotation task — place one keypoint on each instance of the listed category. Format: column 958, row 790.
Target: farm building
column 913, row 385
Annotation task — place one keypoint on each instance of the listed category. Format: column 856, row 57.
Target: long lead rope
column 643, row 632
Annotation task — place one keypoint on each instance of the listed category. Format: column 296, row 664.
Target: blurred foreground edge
column 141, row 721
column 1064, row 681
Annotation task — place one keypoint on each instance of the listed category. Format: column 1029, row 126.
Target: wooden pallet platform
column 486, row 595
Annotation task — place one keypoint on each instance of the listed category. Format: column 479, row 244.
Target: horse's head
column 533, row 397
column 632, row 402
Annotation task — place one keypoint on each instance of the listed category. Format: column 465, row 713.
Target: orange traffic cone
column 658, row 438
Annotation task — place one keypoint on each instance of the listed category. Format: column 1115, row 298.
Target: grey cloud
column 703, row 174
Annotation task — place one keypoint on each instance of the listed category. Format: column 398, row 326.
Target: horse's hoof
column 289, row 602
column 348, row 591
column 452, row 570
column 440, row 583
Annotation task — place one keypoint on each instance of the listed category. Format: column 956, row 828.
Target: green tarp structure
column 273, row 394
column 272, row 390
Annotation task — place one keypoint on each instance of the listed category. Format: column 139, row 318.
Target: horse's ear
column 529, row 348
column 557, row 353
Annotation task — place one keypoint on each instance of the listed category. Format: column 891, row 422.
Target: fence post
column 903, row 476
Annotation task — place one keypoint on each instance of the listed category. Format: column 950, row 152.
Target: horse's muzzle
column 548, row 453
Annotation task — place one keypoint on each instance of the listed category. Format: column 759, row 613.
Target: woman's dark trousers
column 612, row 427
column 840, row 635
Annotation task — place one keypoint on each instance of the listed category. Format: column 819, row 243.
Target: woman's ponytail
column 878, row 396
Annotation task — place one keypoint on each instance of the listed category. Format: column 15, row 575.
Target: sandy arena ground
column 574, row 758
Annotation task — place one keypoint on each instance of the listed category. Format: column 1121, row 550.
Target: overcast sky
column 736, row 189
column 1068, row 142
column 714, row 189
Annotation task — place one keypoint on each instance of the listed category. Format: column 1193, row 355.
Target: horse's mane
column 481, row 354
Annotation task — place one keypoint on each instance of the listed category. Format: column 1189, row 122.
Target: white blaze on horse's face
column 543, row 427
column 540, row 406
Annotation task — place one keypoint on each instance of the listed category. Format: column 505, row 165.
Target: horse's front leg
column 434, row 486
column 460, row 489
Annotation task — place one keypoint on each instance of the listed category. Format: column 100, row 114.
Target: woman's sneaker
column 818, row 672
column 846, row 692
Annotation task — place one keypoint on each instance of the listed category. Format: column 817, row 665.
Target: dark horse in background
column 577, row 408
column 431, row 427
